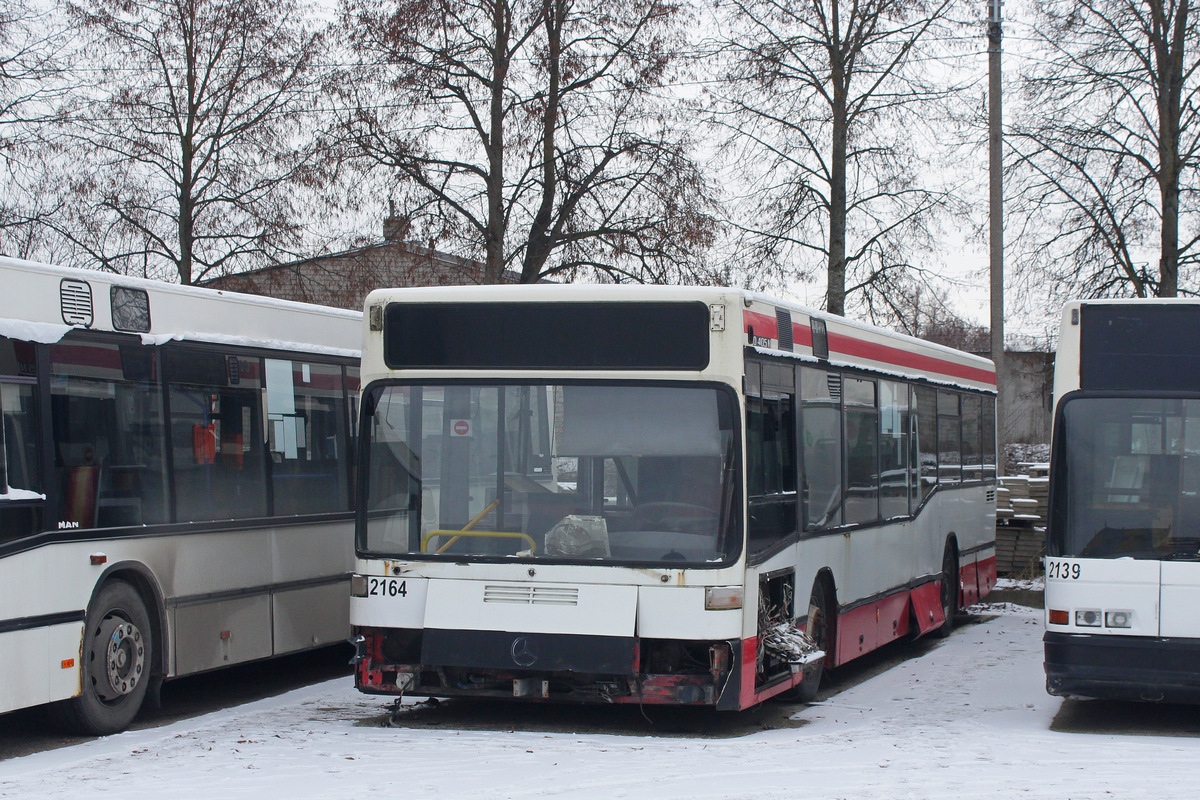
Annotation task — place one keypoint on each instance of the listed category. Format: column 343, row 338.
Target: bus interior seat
column 81, row 486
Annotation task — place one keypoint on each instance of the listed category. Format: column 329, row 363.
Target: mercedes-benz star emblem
column 524, row 652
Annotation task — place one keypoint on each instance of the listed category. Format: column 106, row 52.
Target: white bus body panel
column 203, row 632
column 214, row 634
column 30, row 309
column 310, row 617
column 1180, row 599
column 31, row 661
column 507, row 606
column 641, row 604
column 677, row 612
column 1122, row 584
column 32, row 675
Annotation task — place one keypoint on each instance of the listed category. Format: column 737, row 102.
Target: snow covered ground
column 966, row 719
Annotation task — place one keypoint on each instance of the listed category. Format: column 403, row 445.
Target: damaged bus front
column 570, row 541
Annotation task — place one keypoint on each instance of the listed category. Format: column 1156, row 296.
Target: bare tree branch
column 1110, row 148
column 820, row 101
column 534, row 133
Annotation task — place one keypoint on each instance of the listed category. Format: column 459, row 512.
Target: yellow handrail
column 466, row 531
column 487, row 510
column 456, row 535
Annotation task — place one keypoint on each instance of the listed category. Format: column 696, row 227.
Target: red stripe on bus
column 767, row 326
column 761, row 324
column 802, row 334
column 899, row 357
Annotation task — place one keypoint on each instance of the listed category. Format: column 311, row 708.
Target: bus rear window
column 672, row 336
column 1140, row 346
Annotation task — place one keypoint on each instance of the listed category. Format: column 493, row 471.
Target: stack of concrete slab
column 1021, row 531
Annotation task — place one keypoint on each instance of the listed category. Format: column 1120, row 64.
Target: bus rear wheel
column 950, row 581
column 117, row 657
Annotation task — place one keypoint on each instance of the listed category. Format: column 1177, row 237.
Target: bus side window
column 862, row 450
column 107, row 421
column 20, row 483
column 989, row 438
column 894, row 470
column 223, row 393
column 926, row 443
column 821, row 432
column 306, row 420
column 949, row 431
column 771, row 468
column 972, row 446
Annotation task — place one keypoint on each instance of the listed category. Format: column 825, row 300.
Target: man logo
column 524, row 652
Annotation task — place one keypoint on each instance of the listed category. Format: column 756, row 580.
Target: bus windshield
column 578, row 472
column 1127, row 483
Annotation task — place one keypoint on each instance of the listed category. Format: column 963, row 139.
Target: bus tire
column 822, row 629
column 117, row 655
column 950, row 581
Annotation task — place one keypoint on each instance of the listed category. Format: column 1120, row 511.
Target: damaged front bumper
column 558, row 668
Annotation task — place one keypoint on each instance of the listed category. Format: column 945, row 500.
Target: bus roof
column 42, row 303
column 772, row 325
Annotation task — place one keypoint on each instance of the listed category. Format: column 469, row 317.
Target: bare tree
column 537, row 135
column 192, row 155
column 1106, row 159
column 33, row 78
column 828, row 103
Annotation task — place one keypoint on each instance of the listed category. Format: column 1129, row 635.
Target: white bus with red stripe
column 678, row 495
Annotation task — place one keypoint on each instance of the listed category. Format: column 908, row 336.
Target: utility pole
column 996, row 219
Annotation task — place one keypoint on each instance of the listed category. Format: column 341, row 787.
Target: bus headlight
column 1118, row 619
column 1088, row 618
column 358, row 585
column 723, row 598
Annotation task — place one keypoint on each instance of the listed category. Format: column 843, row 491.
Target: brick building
column 344, row 279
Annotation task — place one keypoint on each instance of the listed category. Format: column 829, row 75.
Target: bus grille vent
column 991, row 496
column 834, row 381
column 75, row 297
column 783, row 318
column 531, row 595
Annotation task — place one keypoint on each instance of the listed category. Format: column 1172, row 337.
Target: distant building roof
column 344, row 279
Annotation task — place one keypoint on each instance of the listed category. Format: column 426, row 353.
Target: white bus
column 175, row 488
column 1123, row 535
column 672, row 495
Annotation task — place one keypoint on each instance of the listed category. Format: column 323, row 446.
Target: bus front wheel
column 117, row 656
column 820, row 628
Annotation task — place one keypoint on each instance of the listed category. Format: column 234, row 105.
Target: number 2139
column 1063, row 570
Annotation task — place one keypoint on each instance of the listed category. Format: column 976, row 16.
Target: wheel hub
column 123, row 657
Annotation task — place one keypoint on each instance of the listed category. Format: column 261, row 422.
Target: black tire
column 950, row 581
column 821, row 627
column 117, row 655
